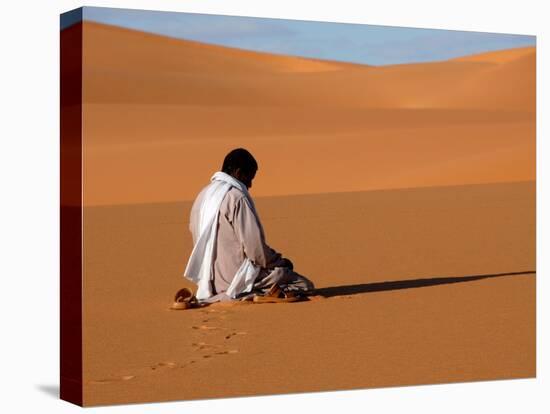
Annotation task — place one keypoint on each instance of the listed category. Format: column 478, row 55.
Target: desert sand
column 406, row 192
column 160, row 114
column 400, row 302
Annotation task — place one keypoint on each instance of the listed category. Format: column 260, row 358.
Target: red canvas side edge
column 71, row 214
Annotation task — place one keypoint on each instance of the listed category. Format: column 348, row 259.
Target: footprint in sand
column 162, row 365
column 113, row 379
column 226, row 352
column 144, row 371
column 205, row 327
column 200, row 346
column 230, row 351
column 186, row 364
column 232, row 334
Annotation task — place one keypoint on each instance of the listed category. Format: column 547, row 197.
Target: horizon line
column 378, row 45
column 296, row 56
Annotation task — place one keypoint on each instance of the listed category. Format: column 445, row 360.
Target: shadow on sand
column 406, row 284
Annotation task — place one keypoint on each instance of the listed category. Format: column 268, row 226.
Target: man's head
column 241, row 165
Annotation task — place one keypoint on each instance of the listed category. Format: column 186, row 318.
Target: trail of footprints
column 221, row 344
column 210, row 350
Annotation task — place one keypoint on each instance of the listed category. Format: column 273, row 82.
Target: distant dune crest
column 499, row 56
column 160, row 113
column 188, row 65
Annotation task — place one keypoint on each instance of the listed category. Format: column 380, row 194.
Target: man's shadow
column 406, row 284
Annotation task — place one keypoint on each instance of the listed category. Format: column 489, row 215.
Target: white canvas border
column 29, row 225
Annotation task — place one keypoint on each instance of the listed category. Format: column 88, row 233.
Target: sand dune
column 316, row 163
column 499, row 56
column 164, row 68
column 160, row 114
column 153, row 53
column 505, row 86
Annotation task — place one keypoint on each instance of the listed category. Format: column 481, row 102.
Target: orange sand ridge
column 160, row 114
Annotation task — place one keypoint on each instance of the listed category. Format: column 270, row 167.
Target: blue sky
column 357, row 43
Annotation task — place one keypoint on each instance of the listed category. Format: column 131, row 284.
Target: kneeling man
column 230, row 258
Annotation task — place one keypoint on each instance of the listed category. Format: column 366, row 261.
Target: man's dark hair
column 239, row 158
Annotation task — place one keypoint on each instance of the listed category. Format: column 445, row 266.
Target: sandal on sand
column 277, row 295
column 184, row 299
